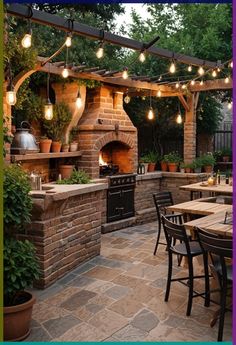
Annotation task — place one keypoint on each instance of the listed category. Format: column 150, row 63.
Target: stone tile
column 153, row 261
column 57, row 327
column 129, row 281
column 145, row 320
column 159, row 283
column 144, row 293
column 112, row 263
column 82, row 281
column 129, row 334
column 38, row 334
column 108, row 322
column 67, row 279
column 159, row 333
column 61, row 296
column 42, row 295
column 117, row 291
column 145, row 271
column 126, row 306
column 78, row 300
column 84, row 268
column 43, row 312
column 99, row 286
column 82, row 332
column 103, row 273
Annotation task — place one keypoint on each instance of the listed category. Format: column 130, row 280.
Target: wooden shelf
column 33, row 156
column 223, row 163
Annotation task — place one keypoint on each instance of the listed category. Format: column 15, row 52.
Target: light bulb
column 26, row 40
column 184, row 86
column 11, row 97
column 125, row 73
column 177, row 85
column 201, row 70
column 78, row 102
column 192, row 82
column 218, row 69
column 230, row 105
column 231, row 64
column 100, row 52
column 189, row 68
column 159, row 93
column 48, row 111
column 142, row 57
column 150, row 114
column 65, row 72
column 214, row 74
column 201, row 82
column 68, row 41
column 226, row 80
column 127, row 99
column 172, row 68
column 179, row 119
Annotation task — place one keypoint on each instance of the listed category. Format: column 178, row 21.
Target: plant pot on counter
column 173, row 167
column 208, row 169
column 17, row 318
column 74, row 147
column 188, row 170
column 151, row 167
column 45, row 145
column 65, row 148
column 56, row 146
column 225, row 159
column 197, row 170
column 66, row 171
column 164, row 166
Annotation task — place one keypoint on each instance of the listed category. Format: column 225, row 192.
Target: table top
column 219, row 188
column 212, row 223
column 197, row 206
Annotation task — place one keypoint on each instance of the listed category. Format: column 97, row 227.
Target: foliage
column 73, row 134
column 7, row 138
column 20, row 268
column 207, row 159
column 150, row 157
column 227, row 151
column 172, row 157
column 61, row 118
column 217, row 155
column 17, row 202
column 197, row 163
column 89, row 83
column 77, row 177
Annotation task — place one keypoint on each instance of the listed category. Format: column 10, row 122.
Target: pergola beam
column 184, row 102
column 60, row 23
column 218, row 84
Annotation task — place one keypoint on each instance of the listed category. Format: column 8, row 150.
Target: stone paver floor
column 119, row 296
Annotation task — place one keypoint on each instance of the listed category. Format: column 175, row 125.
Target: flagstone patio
column 119, row 296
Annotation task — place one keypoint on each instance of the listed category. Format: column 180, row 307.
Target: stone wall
column 66, row 233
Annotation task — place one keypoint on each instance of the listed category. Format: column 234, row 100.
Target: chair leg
column 158, row 237
column 170, row 263
column 190, row 282
column 222, row 313
column 207, row 284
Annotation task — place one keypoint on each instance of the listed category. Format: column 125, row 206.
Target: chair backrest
column 218, row 248
column 162, row 200
column 174, row 232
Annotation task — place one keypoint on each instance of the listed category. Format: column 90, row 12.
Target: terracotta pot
column 164, row 166
column 73, row 147
column 45, row 145
column 151, row 167
column 66, row 170
column 65, row 148
column 172, row 167
column 188, row 170
column 17, row 319
column 225, row 158
column 56, row 146
column 208, row 169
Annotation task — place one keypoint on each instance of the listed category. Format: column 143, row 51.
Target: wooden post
column 190, row 128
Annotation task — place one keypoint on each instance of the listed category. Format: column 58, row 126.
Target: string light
column 192, row 82
column 201, row 70
column 172, row 68
column 177, row 85
column 218, row 69
column 100, row 51
column 150, row 114
column 125, row 73
column 214, row 73
column 142, row 57
column 189, row 68
column 231, row 64
column 179, row 119
column 201, row 82
column 27, row 39
column 184, row 86
column 65, row 72
column 230, row 105
column 68, row 41
column 48, row 107
column 159, row 93
column 226, row 80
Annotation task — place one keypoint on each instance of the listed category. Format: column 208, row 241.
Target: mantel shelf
column 33, row 156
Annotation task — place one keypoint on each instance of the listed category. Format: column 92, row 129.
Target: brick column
column 190, row 131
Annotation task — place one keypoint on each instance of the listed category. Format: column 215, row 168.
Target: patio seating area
column 119, row 296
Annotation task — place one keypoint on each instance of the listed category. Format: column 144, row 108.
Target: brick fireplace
column 106, row 133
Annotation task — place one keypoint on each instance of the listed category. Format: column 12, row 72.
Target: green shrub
column 226, row 151
column 77, row 177
column 207, row 159
column 197, row 163
column 172, row 157
column 20, row 268
column 150, row 157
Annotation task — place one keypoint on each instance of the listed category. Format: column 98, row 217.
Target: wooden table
column 224, row 189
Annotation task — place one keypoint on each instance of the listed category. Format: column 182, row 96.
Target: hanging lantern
column 11, row 95
column 127, row 99
column 68, row 41
column 48, row 110
column 78, row 101
column 150, row 114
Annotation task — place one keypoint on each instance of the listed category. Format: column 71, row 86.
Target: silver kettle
column 23, row 141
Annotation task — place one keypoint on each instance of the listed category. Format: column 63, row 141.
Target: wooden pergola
column 136, row 85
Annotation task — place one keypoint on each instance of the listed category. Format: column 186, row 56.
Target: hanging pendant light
column 78, row 101
column 150, row 114
column 48, row 107
column 172, row 68
column 65, row 72
column 179, row 118
column 11, row 95
column 125, row 74
column 68, row 41
column 27, row 39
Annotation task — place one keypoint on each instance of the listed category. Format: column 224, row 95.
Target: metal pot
column 23, row 141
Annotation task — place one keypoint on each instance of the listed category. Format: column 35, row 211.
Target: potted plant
column 164, row 163
column 173, row 160
column 217, row 155
column 73, row 139
column 77, row 177
column 226, row 154
column 145, row 161
column 208, row 162
column 197, row 165
column 66, row 170
column 182, row 167
column 188, row 168
column 20, row 262
column 65, row 147
column 55, row 127
column 45, row 144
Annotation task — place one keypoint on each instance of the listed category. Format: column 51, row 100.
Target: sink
column 47, row 188
column 220, row 199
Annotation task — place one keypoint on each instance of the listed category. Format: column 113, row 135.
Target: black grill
column 120, row 197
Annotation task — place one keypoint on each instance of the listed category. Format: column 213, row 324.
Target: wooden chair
column 188, row 249
column 220, row 250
